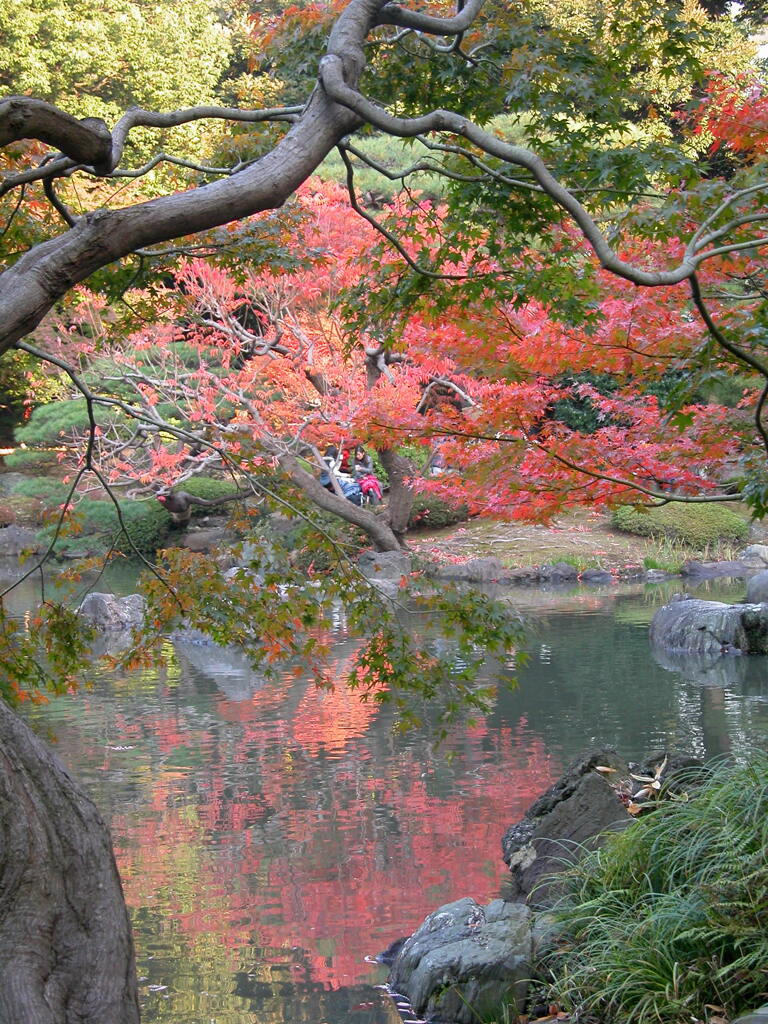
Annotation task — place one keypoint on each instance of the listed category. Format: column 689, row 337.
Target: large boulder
column 710, row 627
column 757, row 588
column 567, row 820
column 465, row 961
column 755, row 556
column 109, row 614
column 15, row 540
column 714, row 570
column 385, row 565
column 475, row 570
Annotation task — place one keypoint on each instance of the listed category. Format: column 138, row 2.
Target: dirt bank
column 583, row 538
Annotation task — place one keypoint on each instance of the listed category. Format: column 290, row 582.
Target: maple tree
column 590, row 168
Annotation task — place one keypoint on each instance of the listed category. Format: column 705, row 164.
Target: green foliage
column 49, row 491
column 95, row 58
column 95, row 526
column 579, row 413
column 31, row 459
column 145, row 524
column 56, row 422
column 48, row 658
column 671, row 914
column 431, row 512
column 320, row 545
column 207, row 487
column 21, row 383
column 695, row 524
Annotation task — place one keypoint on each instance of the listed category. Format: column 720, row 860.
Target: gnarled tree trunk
column 399, row 469
column 66, row 952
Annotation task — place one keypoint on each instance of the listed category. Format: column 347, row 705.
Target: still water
column 270, row 835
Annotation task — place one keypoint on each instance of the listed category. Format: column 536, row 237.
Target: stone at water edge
column 564, row 822
column 757, row 588
column 710, row 627
column 110, row 613
column 465, row 961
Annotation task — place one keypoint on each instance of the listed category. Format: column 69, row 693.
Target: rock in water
column 465, row 961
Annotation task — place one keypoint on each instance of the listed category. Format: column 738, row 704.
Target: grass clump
column 695, row 525
column 670, row 916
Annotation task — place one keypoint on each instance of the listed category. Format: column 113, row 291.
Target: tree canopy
column 556, row 312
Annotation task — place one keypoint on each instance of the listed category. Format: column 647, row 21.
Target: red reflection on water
column 313, row 839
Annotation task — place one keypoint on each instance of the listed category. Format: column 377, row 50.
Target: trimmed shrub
column 209, row 488
column 31, row 459
column 49, row 423
column 671, row 914
column 146, row 525
column 696, row 524
column 431, row 512
column 49, row 491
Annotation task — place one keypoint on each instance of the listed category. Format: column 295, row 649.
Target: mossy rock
column 695, row 524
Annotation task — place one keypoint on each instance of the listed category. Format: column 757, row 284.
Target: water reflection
column 270, row 835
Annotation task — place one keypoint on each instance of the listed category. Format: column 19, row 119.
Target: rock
column 14, row 540
column 113, row 614
column 476, row 570
column 596, row 577
column 465, row 961
column 385, row 565
column 387, row 588
column 633, row 572
column 204, row 540
column 656, row 575
column 524, row 574
column 755, row 556
column 567, row 820
column 710, row 627
column 560, row 572
column 711, row 570
column 758, row 1016
column 757, row 587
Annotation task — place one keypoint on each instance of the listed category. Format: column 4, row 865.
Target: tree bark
column 399, row 469
column 66, row 952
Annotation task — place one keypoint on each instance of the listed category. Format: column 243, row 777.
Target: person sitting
column 370, row 484
column 363, row 461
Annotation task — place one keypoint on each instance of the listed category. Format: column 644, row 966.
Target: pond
column 270, row 835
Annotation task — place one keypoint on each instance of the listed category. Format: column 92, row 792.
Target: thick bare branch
column 394, row 14
column 86, row 142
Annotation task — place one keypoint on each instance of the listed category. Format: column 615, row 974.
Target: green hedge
column 694, row 524
column 209, row 488
column 432, row 512
column 31, row 459
column 146, row 525
column 49, row 491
